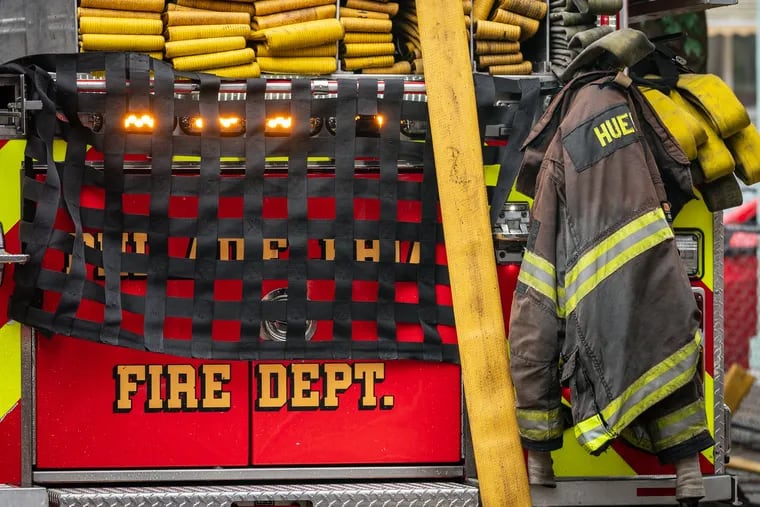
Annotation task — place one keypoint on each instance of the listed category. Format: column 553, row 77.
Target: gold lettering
column 141, row 242
column 367, row 250
column 603, row 135
column 180, row 382
column 180, row 387
column 272, row 383
column 314, row 386
column 134, row 242
column 274, row 247
column 327, row 247
column 127, row 377
column 213, row 378
column 155, row 401
column 303, row 375
column 231, row 249
column 337, row 379
column 410, row 254
column 626, row 123
column 368, row 374
column 192, row 249
column 89, row 239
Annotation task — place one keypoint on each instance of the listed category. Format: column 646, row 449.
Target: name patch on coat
column 600, row 136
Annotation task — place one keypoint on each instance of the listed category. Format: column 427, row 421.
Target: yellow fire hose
column 488, row 386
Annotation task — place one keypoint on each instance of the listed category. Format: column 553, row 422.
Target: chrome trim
column 641, row 490
column 327, row 473
column 11, row 496
column 407, row 494
column 720, row 454
column 282, row 85
column 28, row 384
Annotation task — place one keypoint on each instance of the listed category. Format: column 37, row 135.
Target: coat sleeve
column 536, row 324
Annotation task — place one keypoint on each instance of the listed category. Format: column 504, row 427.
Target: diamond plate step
column 386, row 494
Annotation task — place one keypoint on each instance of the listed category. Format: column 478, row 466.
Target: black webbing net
column 306, row 244
column 255, row 247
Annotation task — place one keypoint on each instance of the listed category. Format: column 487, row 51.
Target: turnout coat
column 603, row 303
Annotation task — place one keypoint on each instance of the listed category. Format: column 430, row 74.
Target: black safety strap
column 113, row 171
column 158, row 221
column 253, row 204
column 208, row 205
column 427, row 279
column 525, row 114
column 71, row 294
column 37, row 230
column 390, row 111
column 345, row 149
column 298, row 232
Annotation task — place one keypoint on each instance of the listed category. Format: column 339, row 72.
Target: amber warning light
column 282, row 123
column 139, row 122
column 234, row 125
column 228, row 125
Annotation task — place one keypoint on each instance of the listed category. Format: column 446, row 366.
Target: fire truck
column 326, row 203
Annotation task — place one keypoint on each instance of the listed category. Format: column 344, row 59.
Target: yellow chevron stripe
column 10, row 366
column 11, row 157
column 573, row 461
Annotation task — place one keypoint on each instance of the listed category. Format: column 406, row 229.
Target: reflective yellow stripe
column 540, row 263
column 538, row 415
column 589, row 258
column 540, row 425
column 681, row 425
column 612, row 254
column 656, row 384
column 539, row 274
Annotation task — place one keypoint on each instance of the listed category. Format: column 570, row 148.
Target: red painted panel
column 412, row 415
column 507, row 274
column 10, row 447
column 708, row 333
column 84, row 422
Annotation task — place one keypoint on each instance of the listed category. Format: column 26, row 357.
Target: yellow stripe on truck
column 11, row 158
column 10, row 366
